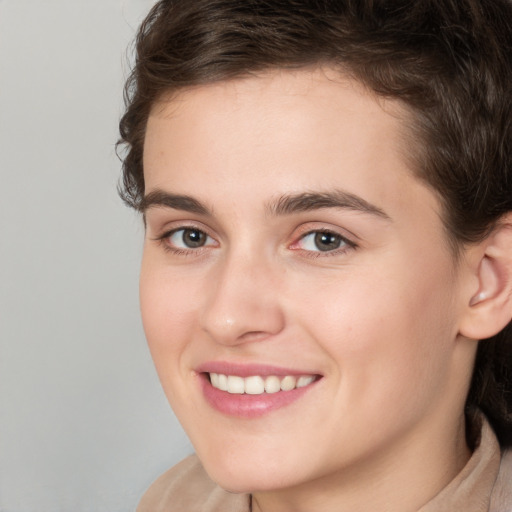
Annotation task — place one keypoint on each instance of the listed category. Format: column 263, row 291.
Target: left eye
column 322, row 241
column 189, row 238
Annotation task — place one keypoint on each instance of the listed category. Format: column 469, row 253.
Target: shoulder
column 186, row 486
column 501, row 500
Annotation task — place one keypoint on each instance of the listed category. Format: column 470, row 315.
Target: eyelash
column 347, row 244
column 162, row 239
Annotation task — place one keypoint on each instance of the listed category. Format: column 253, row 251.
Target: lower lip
column 249, row 406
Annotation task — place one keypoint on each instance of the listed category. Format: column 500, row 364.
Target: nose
column 243, row 305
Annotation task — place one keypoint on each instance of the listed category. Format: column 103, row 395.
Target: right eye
column 188, row 238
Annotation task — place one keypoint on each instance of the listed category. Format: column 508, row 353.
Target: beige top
column 483, row 485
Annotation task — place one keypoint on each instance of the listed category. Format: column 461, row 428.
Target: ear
column 489, row 308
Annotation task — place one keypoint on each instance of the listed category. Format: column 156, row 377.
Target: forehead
column 284, row 96
column 283, row 131
column 318, row 104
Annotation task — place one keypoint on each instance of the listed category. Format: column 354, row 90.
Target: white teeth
column 304, row 381
column 288, row 383
column 272, row 384
column 236, row 384
column 256, row 385
column 214, row 378
column 223, row 382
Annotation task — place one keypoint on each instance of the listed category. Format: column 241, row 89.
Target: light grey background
column 84, row 425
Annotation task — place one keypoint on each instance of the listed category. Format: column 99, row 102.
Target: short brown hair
column 448, row 61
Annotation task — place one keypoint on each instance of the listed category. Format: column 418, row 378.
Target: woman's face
column 288, row 245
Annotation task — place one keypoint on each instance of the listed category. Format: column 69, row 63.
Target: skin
column 377, row 317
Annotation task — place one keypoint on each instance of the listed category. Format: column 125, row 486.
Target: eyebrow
column 309, row 201
column 284, row 205
column 159, row 198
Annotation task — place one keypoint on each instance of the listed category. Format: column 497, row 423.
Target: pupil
column 327, row 241
column 193, row 238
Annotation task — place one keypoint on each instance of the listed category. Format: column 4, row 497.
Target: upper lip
column 248, row 370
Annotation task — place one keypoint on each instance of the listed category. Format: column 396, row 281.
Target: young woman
column 326, row 285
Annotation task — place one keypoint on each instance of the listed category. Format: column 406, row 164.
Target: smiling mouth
column 258, row 385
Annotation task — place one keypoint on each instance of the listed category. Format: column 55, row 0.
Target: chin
column 234, row 478
column 250, row 476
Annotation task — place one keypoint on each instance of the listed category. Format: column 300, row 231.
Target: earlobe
column 489, row 308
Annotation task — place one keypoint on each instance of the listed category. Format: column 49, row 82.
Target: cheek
column 388, row 334
column 167, row 315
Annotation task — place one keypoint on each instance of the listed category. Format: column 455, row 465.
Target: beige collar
column 470, row 490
